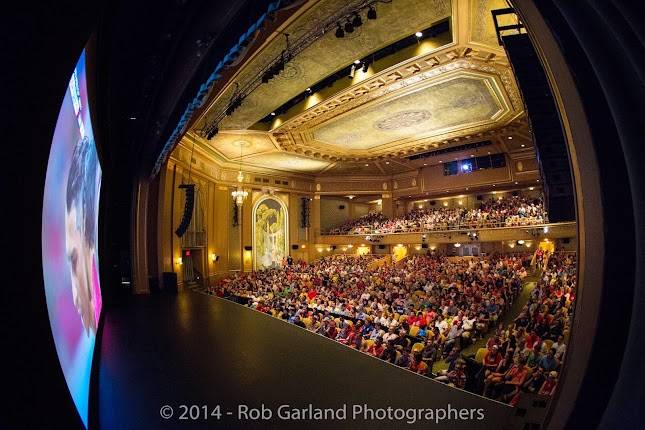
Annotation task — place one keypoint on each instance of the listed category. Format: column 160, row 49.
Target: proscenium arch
column 590, row 383
column 285, row 209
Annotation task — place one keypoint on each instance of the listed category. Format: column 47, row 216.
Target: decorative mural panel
column 270, row 232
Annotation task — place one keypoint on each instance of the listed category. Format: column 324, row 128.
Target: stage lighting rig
column 349, row 28
column 357, row 21
column 371, row 13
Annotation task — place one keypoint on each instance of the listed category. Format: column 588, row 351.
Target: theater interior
column 326, row 213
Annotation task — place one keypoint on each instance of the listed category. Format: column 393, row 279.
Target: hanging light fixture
column 239, row 195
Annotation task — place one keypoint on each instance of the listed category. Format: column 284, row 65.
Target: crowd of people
column 427, row 309
column 526, row 355
column 503, row 211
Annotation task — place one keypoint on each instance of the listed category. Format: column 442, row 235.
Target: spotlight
column 357, row 21
column 365, row 67
column 339, row 31
column 418, row 34
column 357, row 62
column 371, row 13
column 272, row 113
column 349, row 28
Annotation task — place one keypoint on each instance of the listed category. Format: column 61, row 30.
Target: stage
column 233, row 367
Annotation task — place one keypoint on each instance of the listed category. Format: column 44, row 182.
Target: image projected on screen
column 69, row 239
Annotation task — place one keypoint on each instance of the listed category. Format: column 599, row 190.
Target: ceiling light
column 365, row 67
column 537, row 180
column 440, row 161
column 515, row 182
column 340, row 33
column 366, row 165
column 371, row 13
column 357, row 61
column 308, row 89
column 349, row 28
column 387, row 162
column 546, row 229
column 133, row 118
column 425, row 164
column 520, row 242
column 272, row 113
column 523, row 145
column 531, row 188
column 418, row 34
column 357, row 21
column 471, row 155
column 510, row 137
column 457, row 245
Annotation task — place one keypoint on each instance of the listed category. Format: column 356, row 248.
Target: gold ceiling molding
column 298, row 133
column 395, row 21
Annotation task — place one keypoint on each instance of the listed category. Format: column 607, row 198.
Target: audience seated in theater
column 503, row 211
column 429, row 308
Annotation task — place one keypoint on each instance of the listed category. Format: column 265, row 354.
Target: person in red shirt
column 531, row 340
column 377, row 348
column 491, row 360
column 417, row 364
column 548, row 387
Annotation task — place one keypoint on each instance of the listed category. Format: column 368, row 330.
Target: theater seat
column 479, row 356
column 414, row 330
column 417, row 347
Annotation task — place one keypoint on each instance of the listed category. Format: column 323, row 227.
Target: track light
column 349, row 28
column 371, row 13
column 212, row 132
column 357, row 21
column 340, row 33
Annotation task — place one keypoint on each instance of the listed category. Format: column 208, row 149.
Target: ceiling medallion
column 403, row 120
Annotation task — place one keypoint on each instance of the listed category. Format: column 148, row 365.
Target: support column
column 139, row 238
column 313, row 232
column 387, row 205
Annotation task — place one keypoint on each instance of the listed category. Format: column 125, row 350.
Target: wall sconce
column 457, row 245
column 179, row 261
column 418, row 247
column 214, row 257
column 303, row 246
column 328, row 249
column 432, row 248
column 350, row 246
column 319, row 249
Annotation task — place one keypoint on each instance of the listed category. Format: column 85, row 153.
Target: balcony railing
column 438, row 227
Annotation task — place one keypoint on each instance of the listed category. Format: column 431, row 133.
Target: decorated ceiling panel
column 440, row 107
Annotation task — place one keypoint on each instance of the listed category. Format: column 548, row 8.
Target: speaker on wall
column 480, row 197
column 424, row 245
column 294, row 247
column 188, row 209
column 248, row 247
column 341, row 207
column 432, row 203
column 515, row 194
column 381, row 247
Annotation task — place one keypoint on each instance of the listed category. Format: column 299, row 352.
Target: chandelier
column 239, row 195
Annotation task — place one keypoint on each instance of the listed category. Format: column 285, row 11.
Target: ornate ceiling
column 462, row 91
